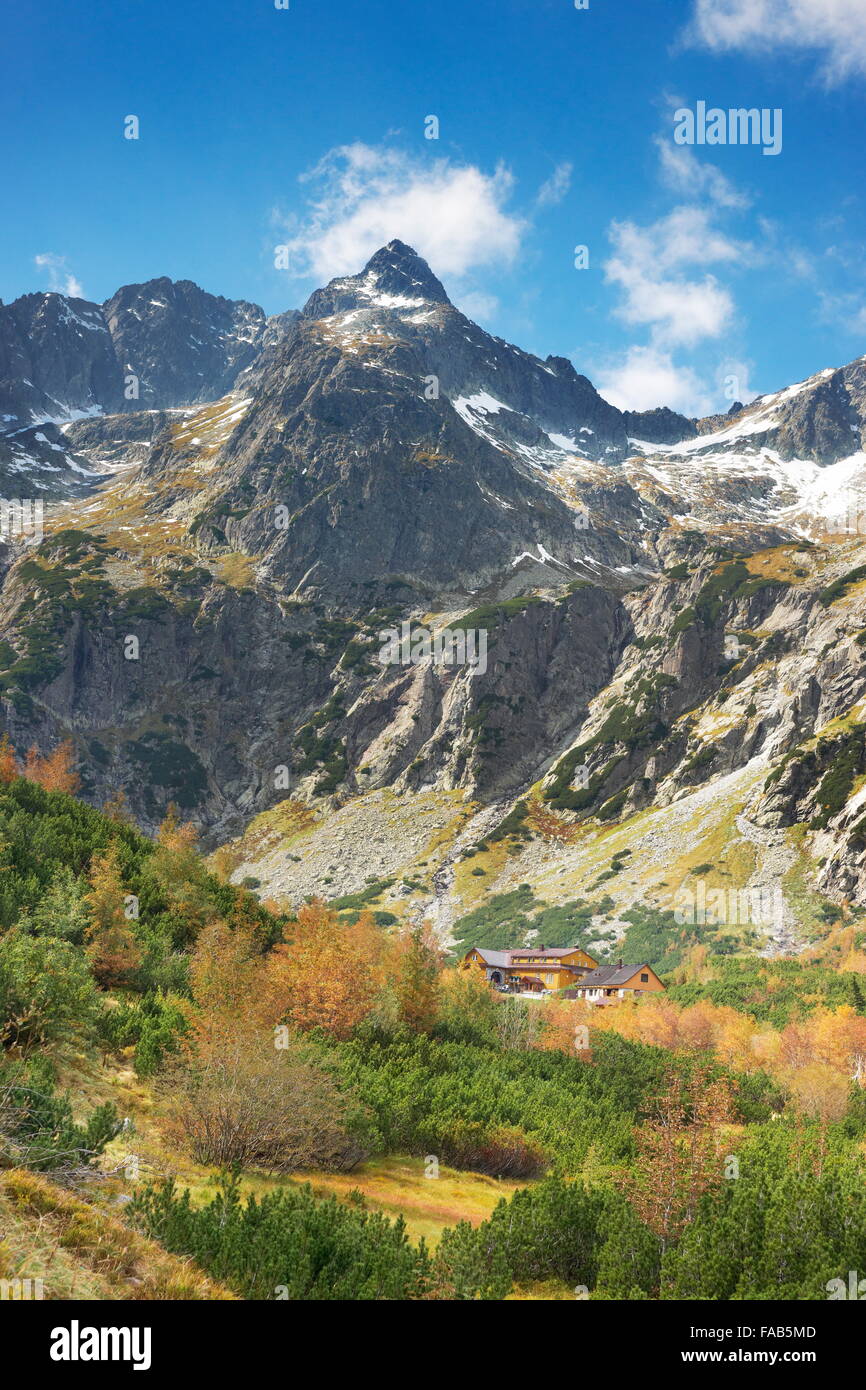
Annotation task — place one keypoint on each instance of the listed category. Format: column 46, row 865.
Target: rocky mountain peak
column 395, row 277
column 398, row 270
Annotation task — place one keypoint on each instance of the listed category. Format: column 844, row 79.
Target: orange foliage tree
column 236, row 1093
column 9, row 766
column 179, row 873
column 417, row 983
column 330, row 974
column 55, row 772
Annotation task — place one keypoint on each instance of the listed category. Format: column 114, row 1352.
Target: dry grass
column 282, row 824
column 542, row 1290
column 779, row 562
column 236, row 570
column 397, row 1186
column 469, row 888
column 84, row 1251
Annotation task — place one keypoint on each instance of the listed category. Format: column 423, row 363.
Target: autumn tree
column 329, row 975
column 117, row 809
column 236, row 1098
column 9, row 765
column 819, row 1091
column 56, row 772
column 467, row 1007
column 417, row 985
column 566, row 1025
column 227, row 974
column 239, row 1090
column 179, row 876
column 112, row 949
column 519, row 1024
column 32, row 763
column 223, row 862
column 839, row 1038
column 679, row 1152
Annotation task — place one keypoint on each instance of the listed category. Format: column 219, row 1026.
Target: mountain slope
column 658, row 624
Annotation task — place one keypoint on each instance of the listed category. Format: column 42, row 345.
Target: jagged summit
column 394, row 277
column 398, row 269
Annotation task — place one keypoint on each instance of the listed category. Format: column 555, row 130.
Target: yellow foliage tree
column 330, row 974
column 113, row 952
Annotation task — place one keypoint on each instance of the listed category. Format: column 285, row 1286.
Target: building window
column 644, row 979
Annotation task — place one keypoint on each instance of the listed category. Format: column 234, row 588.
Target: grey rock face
column 63, row 358
column 56, row 360
column 183, row 344
column 529, row 399
column 40, row 463
column 660, row 426
column 820, row 420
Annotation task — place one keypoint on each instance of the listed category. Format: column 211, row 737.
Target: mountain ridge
column 661, row 619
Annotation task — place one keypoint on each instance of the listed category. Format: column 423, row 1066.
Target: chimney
column 620, row 962
column 543, row 947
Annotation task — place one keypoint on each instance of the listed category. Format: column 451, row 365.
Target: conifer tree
column 112, row 949
column 417, row 984
column 62, row 910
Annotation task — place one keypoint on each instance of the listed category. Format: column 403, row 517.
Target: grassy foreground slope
column 196, row 1086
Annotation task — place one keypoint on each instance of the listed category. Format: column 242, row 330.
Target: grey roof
column 506, row 958
column 501, row 958
column 553, row 951
column 611, row 976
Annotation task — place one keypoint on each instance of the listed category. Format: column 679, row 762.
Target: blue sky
column 305, row 128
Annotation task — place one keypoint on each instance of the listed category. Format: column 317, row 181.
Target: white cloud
column 648, row 265
column 554, row 189
column 684, row 173
column 835, row 28
column 665, row 273
column 476, row 305
column 846, row 311
column 365, row 196
column 648, row 377
column 60, row 278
